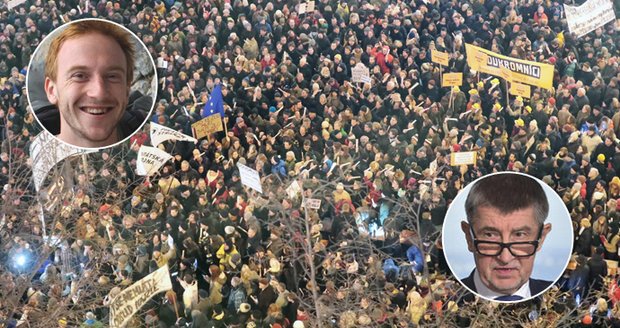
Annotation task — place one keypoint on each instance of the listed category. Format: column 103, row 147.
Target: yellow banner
column 506, row 73
column 523, row 71
column 207, row 125
column 441, row 58
column 452, row 80
column 523, row 90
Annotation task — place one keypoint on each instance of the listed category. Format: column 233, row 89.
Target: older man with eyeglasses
column 505, row 229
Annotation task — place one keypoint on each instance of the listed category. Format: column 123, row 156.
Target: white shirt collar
column 485, row 292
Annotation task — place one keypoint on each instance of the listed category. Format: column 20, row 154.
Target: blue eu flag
column 215, row 104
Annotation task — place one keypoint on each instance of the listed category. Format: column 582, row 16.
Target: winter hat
column 244, row 308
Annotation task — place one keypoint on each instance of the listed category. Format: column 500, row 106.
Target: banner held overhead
column 523, row 71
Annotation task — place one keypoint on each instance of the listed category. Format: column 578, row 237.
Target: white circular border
column 458, row 214
column 50, row 37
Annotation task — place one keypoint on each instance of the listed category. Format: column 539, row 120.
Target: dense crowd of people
column 376, row 154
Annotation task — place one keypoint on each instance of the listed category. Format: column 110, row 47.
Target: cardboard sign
column 208, row 125
column 441, row 58
column 518, row 89
column 132, row 298
column 310, row 7
column 312, row 203
column 463, row 158
column 452, row 80
column 249, row 177
column 150, row 159
column 160, row 133
column 360, row 73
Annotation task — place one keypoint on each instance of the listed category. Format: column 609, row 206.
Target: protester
column 371, row 152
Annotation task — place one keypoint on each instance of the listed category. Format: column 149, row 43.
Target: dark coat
column 536, row 286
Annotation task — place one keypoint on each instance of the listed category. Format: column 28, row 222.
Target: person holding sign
column 505, row 228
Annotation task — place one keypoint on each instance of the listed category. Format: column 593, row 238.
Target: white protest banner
column 360, row 73
column 45, row 152
column 589, row 16
column 160, row 133
column 132, row 298
column 14, row 3
column 250, row 177
column 150, row 159
column 463, row 158
column 312, row 203
column 310, row 7
column 293, row 190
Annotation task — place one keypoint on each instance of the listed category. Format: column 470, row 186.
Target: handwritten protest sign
column 360, row 73
column 162, row 63
column 441, row 58
column 207, row 125
column 160, row 133
column 463, row 158
column 589, row 16
column 312, row 203
column 130, row 300
column 452, row 80
column 523, row 90
column 249, row 177
column 150, row 159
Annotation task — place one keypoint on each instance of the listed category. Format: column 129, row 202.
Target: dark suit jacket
column 536, row 285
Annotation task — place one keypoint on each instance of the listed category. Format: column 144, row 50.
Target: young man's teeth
column 95, row 111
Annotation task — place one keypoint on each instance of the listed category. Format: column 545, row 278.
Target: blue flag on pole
column 215, row 104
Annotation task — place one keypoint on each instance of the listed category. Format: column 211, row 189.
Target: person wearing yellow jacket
column 225, row 252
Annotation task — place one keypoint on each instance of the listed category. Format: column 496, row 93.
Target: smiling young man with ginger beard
column 504, row 230
column 88, row 74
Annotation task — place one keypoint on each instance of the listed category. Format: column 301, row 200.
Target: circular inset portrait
column 92, row 83
column 507, row 237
